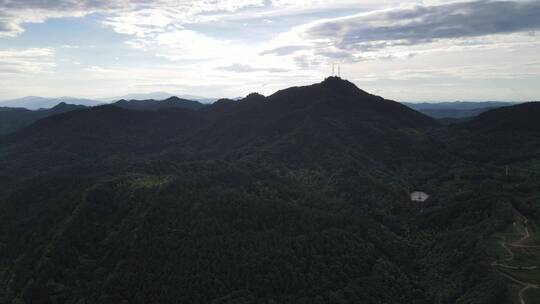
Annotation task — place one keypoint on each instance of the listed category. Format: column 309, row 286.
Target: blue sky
column 430, row 50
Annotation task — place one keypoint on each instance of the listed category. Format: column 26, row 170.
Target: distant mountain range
column 19, row 113
column 459, row 105
column 36, row 102
column 451, row 110
column 13, row 119
column 458, row 109
column 157, row 96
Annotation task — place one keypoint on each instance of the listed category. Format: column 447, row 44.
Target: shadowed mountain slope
column 298, row 197
column 505, row 135
column 13, row 119
column 152, row 105
column 331, row 119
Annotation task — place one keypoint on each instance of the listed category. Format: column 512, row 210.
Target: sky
column 407, row 50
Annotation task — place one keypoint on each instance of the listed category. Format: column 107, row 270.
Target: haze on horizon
column 404, row 50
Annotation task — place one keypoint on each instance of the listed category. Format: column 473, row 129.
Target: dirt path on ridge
column 525, row 235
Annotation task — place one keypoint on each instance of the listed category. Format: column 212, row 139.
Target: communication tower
column 336, row 69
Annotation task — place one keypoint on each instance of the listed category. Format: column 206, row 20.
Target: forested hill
column 504, row 135
column 324, row 124
column 151, row 104
column 13, row 119
column 458, row 110
column 298, row 197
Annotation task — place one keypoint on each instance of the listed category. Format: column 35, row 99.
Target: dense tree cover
column 299, row 197
column 152, row 105
column 14, row 119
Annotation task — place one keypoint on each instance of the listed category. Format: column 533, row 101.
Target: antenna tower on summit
column 338, row 71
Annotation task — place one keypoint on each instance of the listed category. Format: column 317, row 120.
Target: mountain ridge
column 36, row 102
column 457, row 110
column 223, row 129
column 14, row 119
column 150, row 105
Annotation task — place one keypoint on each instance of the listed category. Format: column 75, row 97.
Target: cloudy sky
column 425, row 50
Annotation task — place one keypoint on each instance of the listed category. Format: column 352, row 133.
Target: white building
column 418, row 196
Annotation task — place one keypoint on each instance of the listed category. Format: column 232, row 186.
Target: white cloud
column 246, row 68
column 26, row 61
column 409, row 26
column 190, row 45
column 134, row 17
column 186, row 43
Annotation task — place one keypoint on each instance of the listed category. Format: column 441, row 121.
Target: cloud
column 284, row 50
column 26, row 61
column 134, row 17
column 14, row 13
column 423, row 24
column 100, row 70
column 246, row 68
column 225, row 43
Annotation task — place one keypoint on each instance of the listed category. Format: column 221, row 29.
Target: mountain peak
column 333, row 89
column 341, row 85
column 64, row 106
column 334, row 79
column 174, row 99
column 254, row 97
